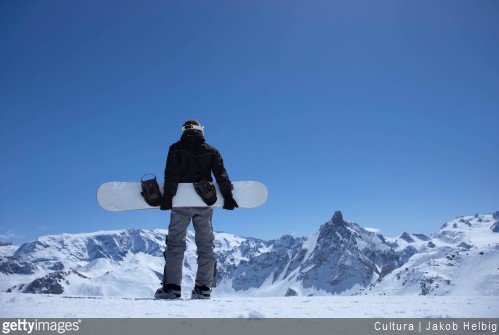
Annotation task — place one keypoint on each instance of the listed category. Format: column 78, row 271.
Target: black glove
column 166, row 203
column 230, row 203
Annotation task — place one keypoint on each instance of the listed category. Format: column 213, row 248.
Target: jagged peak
column 407, row 237
column 339, row 231
column 422, row 237
column 337, row 218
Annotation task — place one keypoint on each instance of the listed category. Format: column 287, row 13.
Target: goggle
column 192, row 126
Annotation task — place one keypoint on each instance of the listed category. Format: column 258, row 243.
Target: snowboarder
column 188, row 160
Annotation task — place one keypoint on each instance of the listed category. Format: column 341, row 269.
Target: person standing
column 189, row 160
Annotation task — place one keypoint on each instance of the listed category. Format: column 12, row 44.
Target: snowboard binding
column 150, row 190
column 205, row 190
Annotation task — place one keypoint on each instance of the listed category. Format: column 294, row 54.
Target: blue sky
column 385, row 110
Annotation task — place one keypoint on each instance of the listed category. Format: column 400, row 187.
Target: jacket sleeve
column 221, row 175
column 172, row 173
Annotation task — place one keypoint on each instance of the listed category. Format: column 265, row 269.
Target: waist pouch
column 150, row 191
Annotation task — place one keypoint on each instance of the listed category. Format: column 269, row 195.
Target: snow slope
column 462, row 258
column 52, row 306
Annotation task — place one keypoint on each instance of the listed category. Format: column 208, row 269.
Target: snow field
column 15, row 305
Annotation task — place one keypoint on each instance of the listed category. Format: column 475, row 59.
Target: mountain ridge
column 340, row 258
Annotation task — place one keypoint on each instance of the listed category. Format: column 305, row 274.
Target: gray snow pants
column 176, row 246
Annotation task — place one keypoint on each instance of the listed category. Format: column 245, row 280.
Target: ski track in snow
column 15, row 305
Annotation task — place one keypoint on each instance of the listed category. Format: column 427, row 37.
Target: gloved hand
column 166, row 203
column 230, row 203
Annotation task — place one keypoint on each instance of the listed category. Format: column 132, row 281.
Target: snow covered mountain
column 462, row 258
column 341, row 258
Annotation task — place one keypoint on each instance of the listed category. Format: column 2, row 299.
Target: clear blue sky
column 385, row 110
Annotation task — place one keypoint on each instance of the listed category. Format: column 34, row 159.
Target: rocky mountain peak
column 337, row 218
column 406, row 237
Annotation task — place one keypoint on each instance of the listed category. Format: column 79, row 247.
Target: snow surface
column 19, row 305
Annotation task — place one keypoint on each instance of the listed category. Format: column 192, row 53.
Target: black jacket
column 192, row 158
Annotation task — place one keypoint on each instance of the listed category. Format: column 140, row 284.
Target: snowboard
column 125, row 196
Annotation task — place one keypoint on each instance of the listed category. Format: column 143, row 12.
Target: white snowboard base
column 125, row 196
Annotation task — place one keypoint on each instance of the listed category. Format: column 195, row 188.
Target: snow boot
column 201, row 292
column 168, row 292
